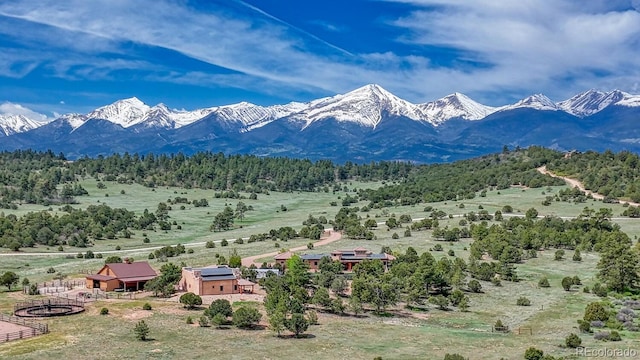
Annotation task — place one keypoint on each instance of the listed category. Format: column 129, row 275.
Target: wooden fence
column 56, row 286
column 35, row 328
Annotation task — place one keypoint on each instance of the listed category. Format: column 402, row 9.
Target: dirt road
column 579, row 185
column 333, row 236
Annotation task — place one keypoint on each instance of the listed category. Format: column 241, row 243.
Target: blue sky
column 75, row 55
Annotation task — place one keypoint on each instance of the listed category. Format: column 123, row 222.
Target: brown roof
column 140, row 269
column 244, row 282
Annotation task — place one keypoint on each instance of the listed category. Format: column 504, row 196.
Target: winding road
column 575, row 183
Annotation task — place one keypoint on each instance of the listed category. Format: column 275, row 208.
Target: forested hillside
column 463, row 179
column 614, row 175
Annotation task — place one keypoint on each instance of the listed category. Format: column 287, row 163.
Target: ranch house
column 129, row 276
column 349, row 258
column 213, row 281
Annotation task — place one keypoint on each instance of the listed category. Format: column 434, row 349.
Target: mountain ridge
column 368, row 123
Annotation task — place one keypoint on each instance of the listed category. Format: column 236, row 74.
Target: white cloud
column 8, row 108
column 556, row 47
column 552, row 45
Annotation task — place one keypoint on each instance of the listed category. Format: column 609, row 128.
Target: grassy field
column 407, row 335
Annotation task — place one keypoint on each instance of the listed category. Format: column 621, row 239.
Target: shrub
column 189, row 320
column 599, row 290
column 584, row 326
column 146, row 306
column 210, row 245
column 499, row 326
column 474, row 286
column 533, row 354
column 595, row 311
column 190, row 300
column 573, row 341
column 632, row 304
column 437, row 247
column 297, row 324
column 601, row 335
column 496, row 281
column 567, row 282
column 613, row 324
column 104, row 311
column 614, row 336
column 141, row 330
column 558, row 255
column 204, row 321
column 218, row 320
column 219, row 306
column 239, row 241
column 544, row 282
column 33, row 289
column 576, row 280
column 224, row 242
column 453, row 357
column 523, row 301
column 51, row 270
column 246, row 317
column 577, row 256
column 630, row 326
column 395, row 236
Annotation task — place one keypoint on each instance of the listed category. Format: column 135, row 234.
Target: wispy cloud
column 509, row 47
column 533, row 43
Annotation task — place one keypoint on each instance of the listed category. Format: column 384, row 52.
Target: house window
column 235, row 287
column 221, row 288
column 315, row 263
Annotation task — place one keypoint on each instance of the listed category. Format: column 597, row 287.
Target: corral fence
column 101, row 295
column 35, row 328
column 47, row 302
column 56, row 286
column 524, row 331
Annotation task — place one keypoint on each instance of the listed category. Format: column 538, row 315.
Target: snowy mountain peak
column 456, row 105
column 537, row 102
column 585, row 104
column 364, row 106
column 621, row 98
column 74, row 120
column 593, row 101
column 13, row 124
column 125, row 112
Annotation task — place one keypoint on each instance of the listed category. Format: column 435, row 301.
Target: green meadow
column 407, row 334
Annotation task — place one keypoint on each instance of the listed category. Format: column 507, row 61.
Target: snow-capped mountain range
column 365, row 106
column 13, row 124
column 355, row 120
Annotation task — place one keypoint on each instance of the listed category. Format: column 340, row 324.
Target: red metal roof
column 124, row 271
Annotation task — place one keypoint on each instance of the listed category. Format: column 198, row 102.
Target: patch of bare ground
column 136, row 314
